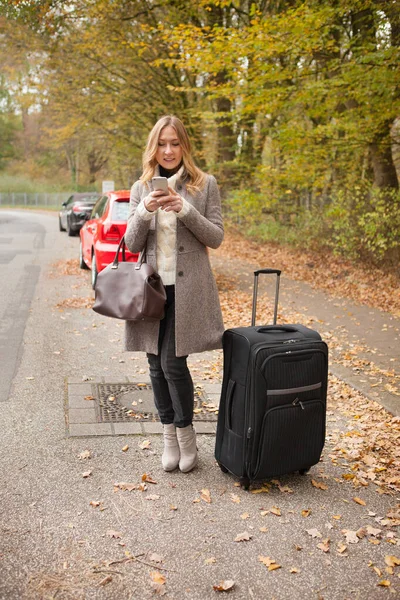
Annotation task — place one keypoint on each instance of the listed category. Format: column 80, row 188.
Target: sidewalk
column 364, row 343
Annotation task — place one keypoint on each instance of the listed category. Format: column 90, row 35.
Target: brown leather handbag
column 130, row 291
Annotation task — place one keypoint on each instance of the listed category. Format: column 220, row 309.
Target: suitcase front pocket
column 292, row 438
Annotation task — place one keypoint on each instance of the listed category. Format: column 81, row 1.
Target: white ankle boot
column 171, row 454
column 187, row 446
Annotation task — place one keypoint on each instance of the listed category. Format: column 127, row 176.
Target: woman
column 176, row 229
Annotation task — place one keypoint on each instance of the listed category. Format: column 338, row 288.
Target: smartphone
column 160, row 183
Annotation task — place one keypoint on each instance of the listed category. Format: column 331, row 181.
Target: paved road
column 68, row 536
column 23, row 245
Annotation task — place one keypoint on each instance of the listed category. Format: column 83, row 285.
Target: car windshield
column 120, row 210
column 87, row 200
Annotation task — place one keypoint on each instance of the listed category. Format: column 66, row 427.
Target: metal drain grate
column 132, row 402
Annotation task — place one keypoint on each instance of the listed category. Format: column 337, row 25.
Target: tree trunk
column 217, row 16
column 380, row 152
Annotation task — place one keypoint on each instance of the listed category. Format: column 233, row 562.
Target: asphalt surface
column 55, row 544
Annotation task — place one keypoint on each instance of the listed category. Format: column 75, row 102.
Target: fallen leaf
column 351, row 536
column 125, row 448
column 153, row 497
column 86, row 454
column 319, row 485
column 294, row 570
column 324, row 545
column 270, row 563
column 285, row 489
column 94, row 503
column 263, row 529
column 158, row 577
column 86, row 474
column 266, row 560
column 147, row 478
column 361, row 533
column 155, row 557
column 243, row 537
column 114, row 534
column 235, row 498
column 359, row 501
column 206, row 496
column 210, row 561
column 392, row 561
column 145, row 444
column 373, row 531
column 263, row 490
column 106, row 580
column 126, row 486
column 224, row 586
column 384, row 583
column 88, row 398
column 306, row 512
column 314, row 533
column 341, row 548
column 276, row 511
column 245, row 516
column 172, row 507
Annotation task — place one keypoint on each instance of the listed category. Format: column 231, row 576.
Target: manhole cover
column 129, row 402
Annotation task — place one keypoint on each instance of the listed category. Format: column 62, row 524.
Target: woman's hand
column 152, row 201
column 171, row 202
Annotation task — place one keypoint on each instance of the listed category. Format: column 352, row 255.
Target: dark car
column 76, row 210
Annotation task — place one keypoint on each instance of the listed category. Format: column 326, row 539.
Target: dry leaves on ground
column 337, row 276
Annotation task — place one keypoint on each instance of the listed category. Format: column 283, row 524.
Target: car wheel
column 60, row 225
column 94, row 271
column 70, row 231
column 82, row 263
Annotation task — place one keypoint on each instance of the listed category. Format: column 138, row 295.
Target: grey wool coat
column 198, row 318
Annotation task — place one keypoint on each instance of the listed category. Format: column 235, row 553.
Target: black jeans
column 170, row 377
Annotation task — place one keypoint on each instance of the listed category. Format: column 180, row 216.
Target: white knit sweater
column 166, row 234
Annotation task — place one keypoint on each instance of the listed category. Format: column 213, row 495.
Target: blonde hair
column 196, row 177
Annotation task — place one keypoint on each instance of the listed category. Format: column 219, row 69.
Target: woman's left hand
column 171, row 202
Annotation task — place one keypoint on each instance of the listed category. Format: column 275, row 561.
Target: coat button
column 180, row 273
column 181, row 248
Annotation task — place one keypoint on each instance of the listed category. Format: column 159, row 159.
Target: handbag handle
column 122, row 246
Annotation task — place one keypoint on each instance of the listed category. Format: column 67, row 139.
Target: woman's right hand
column 151, row 201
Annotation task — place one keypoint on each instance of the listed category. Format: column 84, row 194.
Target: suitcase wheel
column 304, row 471
column 244, row 483
column 223, row 468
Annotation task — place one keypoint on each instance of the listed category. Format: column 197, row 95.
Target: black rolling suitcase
column 271, row 418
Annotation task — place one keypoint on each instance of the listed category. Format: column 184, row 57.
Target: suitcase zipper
column 298, row 402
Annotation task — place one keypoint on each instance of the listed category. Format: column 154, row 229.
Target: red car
column 101, row 234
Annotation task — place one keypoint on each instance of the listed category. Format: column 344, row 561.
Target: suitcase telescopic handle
column 276, row 272
column 268, row 272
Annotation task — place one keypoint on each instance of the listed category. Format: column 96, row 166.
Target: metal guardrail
column 35, row 199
